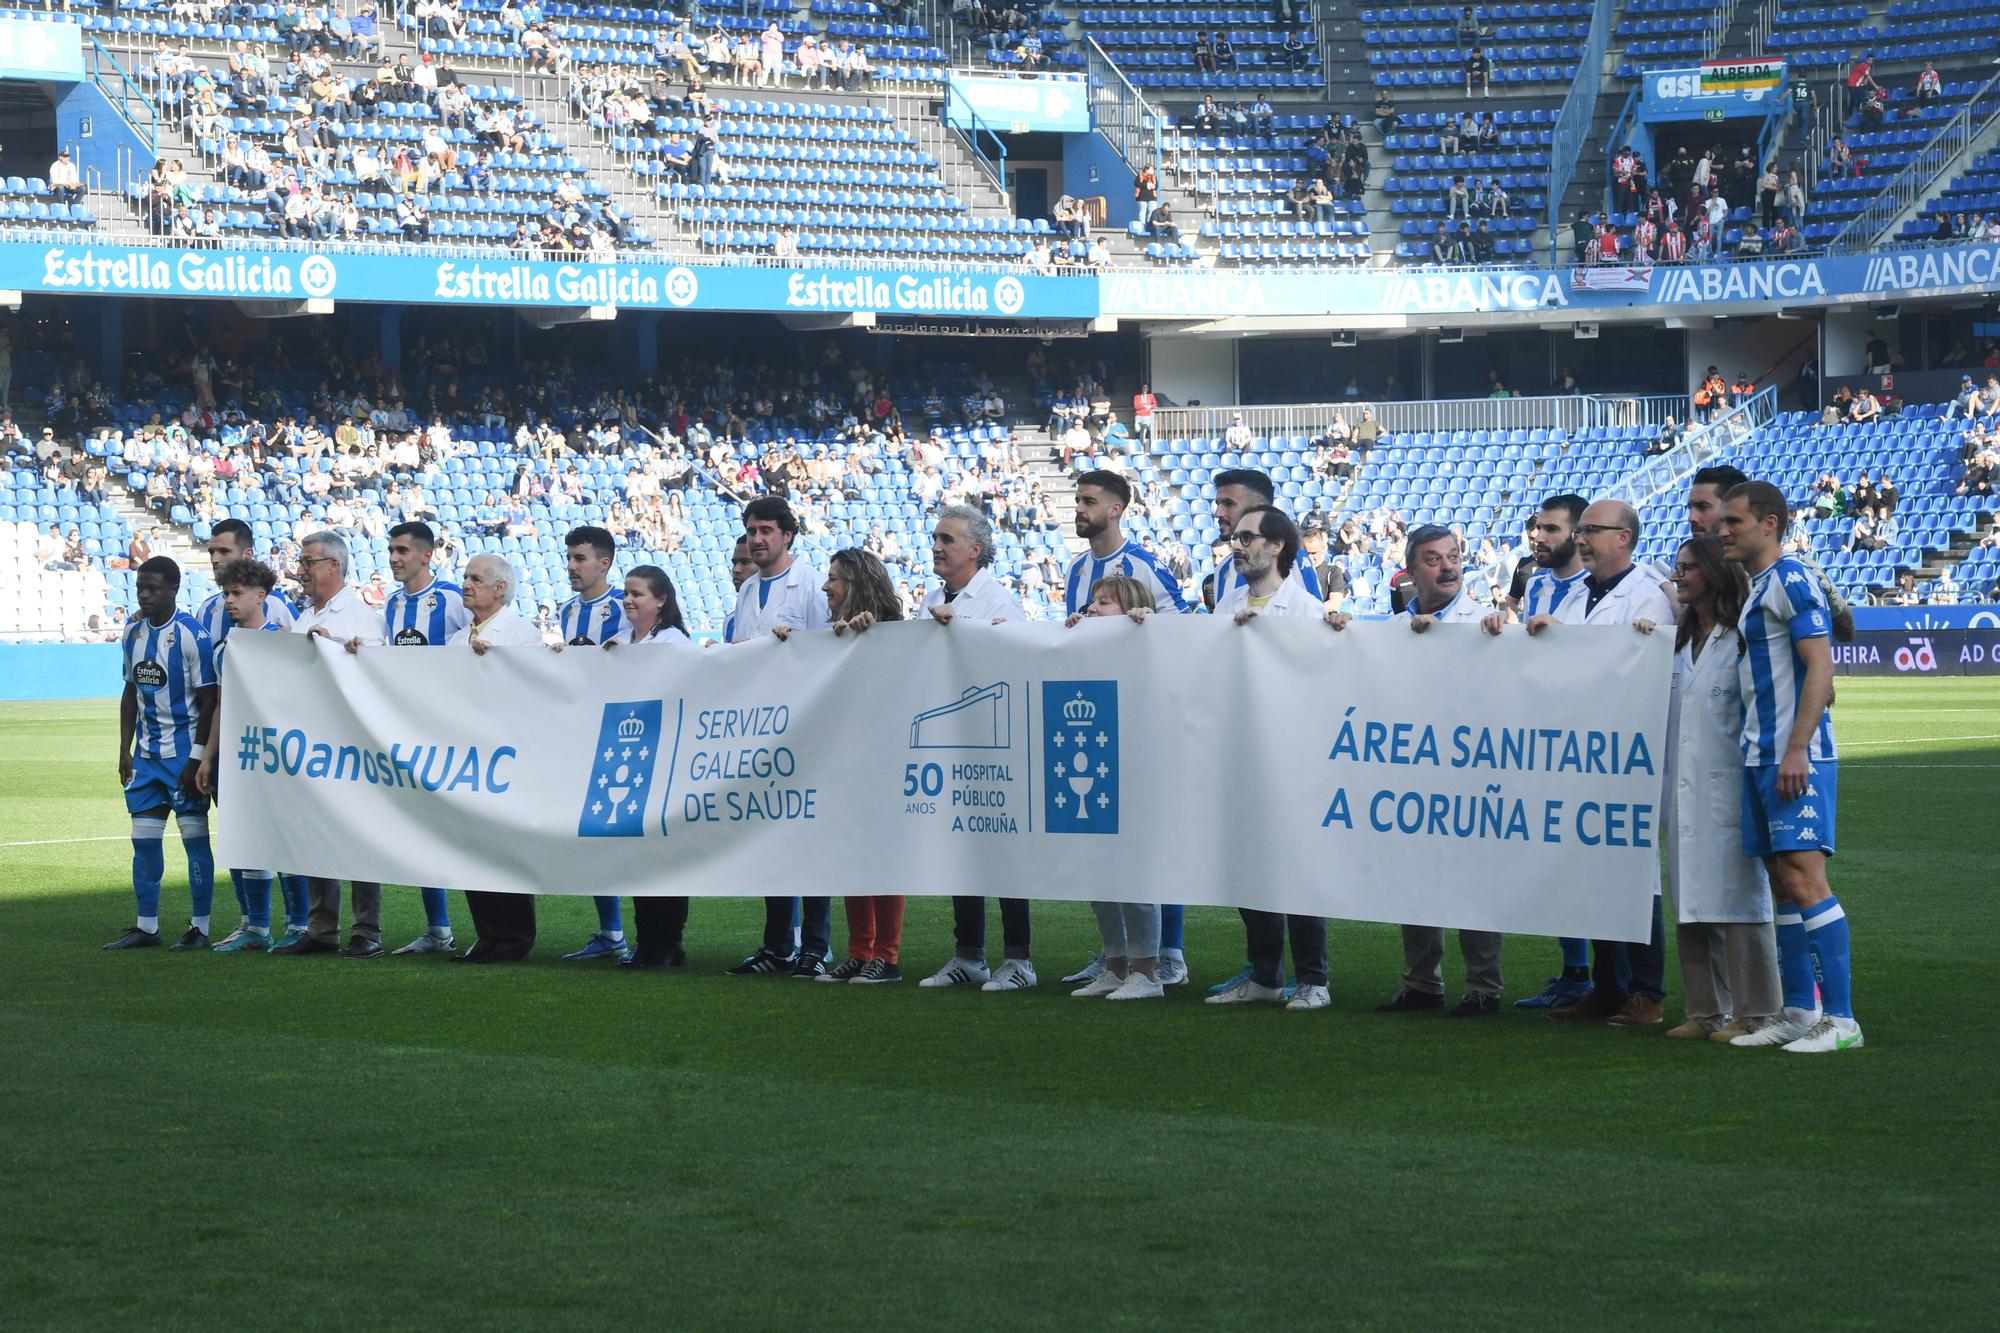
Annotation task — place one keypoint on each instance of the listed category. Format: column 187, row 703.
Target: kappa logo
column 1809, row 812
column 621, row 772
column 1080, row 754
column 1809, row 832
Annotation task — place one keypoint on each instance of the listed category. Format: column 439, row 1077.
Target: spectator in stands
column 1490, row 200
column 1793, row 205
column 1145, row 192
column 1862, row 536
column 1457, row 200
column 1906, row 593
column 1204, row 56
column 1479, row 72
column 1208, row 116
column 64, row 183
column 1467, row 29
column 1484, row 243
column 1225, row 51
column 1385, row 112
column 1981, row 473
column 1840, row 160
column 1161, row 225
column 1874, row 110
column 1865, row 408
column 1607, row 244
column 1967, row 401
column 1263, row 114
column 1298, row 57
column 1067, row 217
column 1929, row 83
column 1785, row 238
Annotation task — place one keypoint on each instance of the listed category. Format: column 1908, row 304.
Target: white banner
column 1449, row 778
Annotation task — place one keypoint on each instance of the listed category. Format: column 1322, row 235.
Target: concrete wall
column 1186, row 370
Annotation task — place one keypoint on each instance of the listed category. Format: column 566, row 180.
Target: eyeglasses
column 1245, row 538
column 305, row 560
column 1585, row 529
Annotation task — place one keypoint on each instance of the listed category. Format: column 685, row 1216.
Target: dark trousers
column 1621, row 969
column 968, row 927
column 815, row 924
column 1265, row 933
column 504, row 923
column 323, row 911
column 658, row 925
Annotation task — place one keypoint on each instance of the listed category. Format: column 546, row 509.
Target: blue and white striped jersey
column 1131, row 561
column 223, row 647
column 595, row 621
column 426, row 618
column 1546, row 592
column 213, row 616
column 1227, row 579
column 1785, row 607
column 166, row 665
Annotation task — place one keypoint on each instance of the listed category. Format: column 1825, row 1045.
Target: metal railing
column 1579, row 108
column 1697, row 447
column 1118, row 111
column 1762, row 22
column 1567, row 413
column 969, row 132
column 1720, row 16
column 125, row 96
column 1925, row 170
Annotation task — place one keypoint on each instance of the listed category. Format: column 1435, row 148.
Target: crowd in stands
column 1699, row 208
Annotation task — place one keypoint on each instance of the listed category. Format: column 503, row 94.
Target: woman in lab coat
column 1721, row 898
column 653, row 617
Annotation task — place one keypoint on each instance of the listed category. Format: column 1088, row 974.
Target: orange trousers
column 875, row 927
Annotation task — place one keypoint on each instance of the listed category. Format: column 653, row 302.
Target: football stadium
column 1199, row 391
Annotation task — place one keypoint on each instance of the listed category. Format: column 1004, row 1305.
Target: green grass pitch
column 205, row 1141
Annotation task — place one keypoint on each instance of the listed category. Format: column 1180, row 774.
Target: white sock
column 200, row 923
column 150, row 924
column 615, row 936
column 441, row 932
column 257, row 930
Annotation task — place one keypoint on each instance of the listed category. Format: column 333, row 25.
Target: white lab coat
column 504, row 629
column 1709, row 879
column 793, row 600
column 1637, row 597
column 1291, row 599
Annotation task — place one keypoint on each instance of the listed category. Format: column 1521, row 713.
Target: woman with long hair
column 857, row 583
column 1130, row 931
column 1721, row 898
column 653, row 616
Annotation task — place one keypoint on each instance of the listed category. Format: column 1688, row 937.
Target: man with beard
column 1558, row 575
column 1101, row 498
column 1704, row 510
column 1266, row 546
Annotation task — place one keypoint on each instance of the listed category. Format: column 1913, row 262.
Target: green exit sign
column 1712, row 113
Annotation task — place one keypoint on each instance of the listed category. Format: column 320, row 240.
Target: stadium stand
column 1183, row 45
column 1432, row 45
column 1817, row 36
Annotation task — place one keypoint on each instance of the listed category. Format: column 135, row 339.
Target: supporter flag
column 1741, row 76
column 1612, row 278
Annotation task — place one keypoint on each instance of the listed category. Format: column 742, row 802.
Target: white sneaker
column 428, row 943
column 1090, row 971
column 1173, row 971
column 1310, row 997
column 1014, row 974
column 1139, row 986
column 1100, row 985
column 1783, row 1028
column 1248, row 991
column 1828, row 1035
column 957, row 972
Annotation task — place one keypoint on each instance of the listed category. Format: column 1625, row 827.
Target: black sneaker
column 1409, row 1001
column 1475, row 1006
column 135, row 938
column 763, row 963
column 196, row 938
column 809, row 967
column 875, row 972
column 846, row 971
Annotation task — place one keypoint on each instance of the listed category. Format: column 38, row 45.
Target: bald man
column 504, row 923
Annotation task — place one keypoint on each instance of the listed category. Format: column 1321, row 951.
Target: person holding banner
column 1722, row 899
column 1238, row 490
column 1265, row 547
column 503, row 924
column 595, row 615
column 246, row 586
column 653, row 617
column 1435, row 559
column 783, row 593
column 335, row 612
column 170, row 693
column 423, row 611
column 1101, row 500
column 1791, row 776
column 1129, row 966
column 1628, row 980
column 860, row 592
column 961, row 549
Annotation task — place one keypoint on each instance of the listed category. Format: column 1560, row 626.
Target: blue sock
column 1576, row 953
column 201, row 871
column 1795, row 969
column 253, row 895
column 1825, row 930
column 437, row 913
column 1171, row 920
column 149, row 862
column 610, row 917
column 297, row 904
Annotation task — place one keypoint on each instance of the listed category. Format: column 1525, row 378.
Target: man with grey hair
column 961, row 550
column 1629, row 980
column 335, row 612
column 503, row 923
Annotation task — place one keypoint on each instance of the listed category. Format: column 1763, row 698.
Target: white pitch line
column 58, row 842
column 1924, row 740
